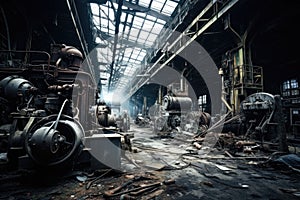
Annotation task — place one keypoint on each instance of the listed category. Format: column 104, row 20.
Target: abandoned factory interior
column 149, row 99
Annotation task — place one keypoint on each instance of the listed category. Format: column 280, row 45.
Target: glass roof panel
column 148, row 24
column 104, row 29
column 115, row 4
column 144, row 3
column 140, row 58
column 142, row 53
column 129, row 17
column 138, row 20
column 157, row 26
column 111, row 24
column 138, row 31
column 96, row 21
column 148, row 42
column 98, row 40
column 128, row 71
column 95, row 8
column 141, row 14
column 171, row 4
column 149, row 17
column 127, row 52
column 104, row 22
column 132, row 38
column 143, row 35
column 168, row 10
column 137, row 25
column 134, row 54
column 121, row 27
column 161, row 21
column 123, row 17
column 111, row 15
column 134, row 31
column 152, row 37
column 157, row 5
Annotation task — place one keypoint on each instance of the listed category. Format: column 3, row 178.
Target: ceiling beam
column 157, row 66
column 130, row 44
column 97, row 1
column 118, row 19
column 139, row 8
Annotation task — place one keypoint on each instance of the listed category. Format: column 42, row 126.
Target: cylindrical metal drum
column 199, row 118
column 177, row 103
column 13, row 86
column 50, row 147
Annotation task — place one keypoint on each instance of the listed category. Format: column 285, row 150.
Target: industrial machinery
column 240, row 79
column 141, row 120
column 104, row 115
column 41, row 105
column 257, row 111
column 196, row 121
column 176, row 114
column 175, row 107
column 263, row 119
column 123, row 121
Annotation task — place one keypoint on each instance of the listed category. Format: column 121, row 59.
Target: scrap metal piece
column 157, row 184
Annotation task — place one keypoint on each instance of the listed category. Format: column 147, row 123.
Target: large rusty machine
column 44, row 104
column 176, row 113
column 262, row 118
column 252, row 113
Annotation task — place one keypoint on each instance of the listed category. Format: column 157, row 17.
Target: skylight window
column 127, row 52
column 140, row 58
column 168, row 10
column 129, row 18
column 134, row 31
column 132, row 38
column 95, row 9
column 157, row 5
column 135, row 52
column 104, row 22
column 157, row 27
column 148, row 25
column 96, row 21
column 138, row 20
column 151, row 18
column 138, row 30
column 144, row 3
column 128, row 71
column 143, row 52
column 123, row 17
column 141, row 14
column 98, row 40
column 114, row 4
column 152, row 37
column 143, row 35
column 161, row 21
column 137, row 25
column 121, row 27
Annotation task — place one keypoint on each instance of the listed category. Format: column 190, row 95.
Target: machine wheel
column 49, row 147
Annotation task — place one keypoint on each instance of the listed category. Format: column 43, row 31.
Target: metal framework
column 178, row 45
column 128, row 33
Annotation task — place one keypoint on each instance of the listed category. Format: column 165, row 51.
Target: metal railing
column 248, row 76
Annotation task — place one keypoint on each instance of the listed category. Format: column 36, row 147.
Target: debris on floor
column 169, row 168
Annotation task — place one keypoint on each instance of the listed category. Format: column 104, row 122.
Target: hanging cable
column 7, row 32
column 81, row 39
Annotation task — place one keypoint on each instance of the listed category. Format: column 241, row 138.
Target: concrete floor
column 204, row 174
column 209, row 174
